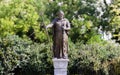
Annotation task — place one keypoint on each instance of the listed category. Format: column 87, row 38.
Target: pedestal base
column 60, row 66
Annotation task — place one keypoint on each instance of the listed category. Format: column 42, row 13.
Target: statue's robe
column 60, row 38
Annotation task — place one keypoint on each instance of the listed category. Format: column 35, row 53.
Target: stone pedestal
column 60, row 66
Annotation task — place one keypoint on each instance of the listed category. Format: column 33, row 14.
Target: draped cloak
column 60, row 37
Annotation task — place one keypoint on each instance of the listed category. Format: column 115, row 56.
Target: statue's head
column 60, row 14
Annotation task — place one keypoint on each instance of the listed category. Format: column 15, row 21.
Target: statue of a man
column 60, row 27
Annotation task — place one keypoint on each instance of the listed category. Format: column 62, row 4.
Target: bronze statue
column 60, row 27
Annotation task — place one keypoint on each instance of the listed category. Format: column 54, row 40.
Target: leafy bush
column 29, row 58
column 40, row 61
column 13, row 51
column 95, row 59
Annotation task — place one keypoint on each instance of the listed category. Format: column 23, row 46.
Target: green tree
column 21, row 18
column 115, row 19
column 111, row 18
column 83, row 17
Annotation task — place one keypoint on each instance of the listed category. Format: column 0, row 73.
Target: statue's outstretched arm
column 51, row 24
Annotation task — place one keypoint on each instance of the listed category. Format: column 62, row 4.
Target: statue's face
column 60, row 16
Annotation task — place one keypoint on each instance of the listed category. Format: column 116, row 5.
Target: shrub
column 13, row 51
column 95, row 59
column 28, row 57
column 40, row 62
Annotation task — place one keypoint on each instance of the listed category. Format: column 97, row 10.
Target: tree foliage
column 115, row 19
column 27, row 18
column 83, row 17
column 21, row 18
column 110, row 18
